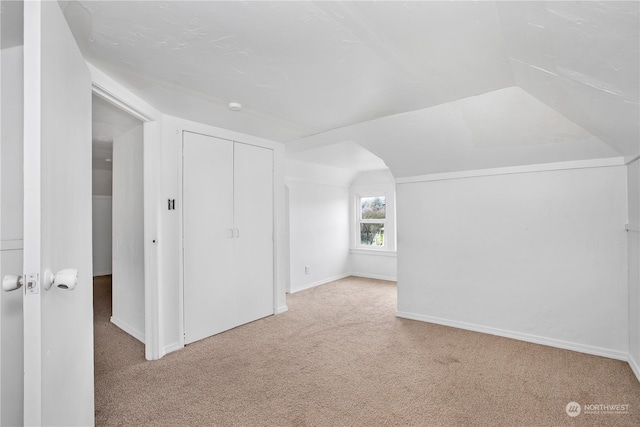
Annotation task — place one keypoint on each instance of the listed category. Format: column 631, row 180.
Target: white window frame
column 360, row 220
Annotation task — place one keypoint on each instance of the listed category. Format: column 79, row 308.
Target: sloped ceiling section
column 429, row 87
column 503, row 128
column 581, row 59
column 577, row 76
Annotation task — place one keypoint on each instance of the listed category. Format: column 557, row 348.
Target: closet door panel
column 209, row 291
column 253, row 215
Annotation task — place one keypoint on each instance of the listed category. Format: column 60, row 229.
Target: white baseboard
column 101, row 273
column 375, row 276
column 170, row 348
column 281, row 309
column 567, row 345
column 634, row 367
column 128, row 329
column 320, row 282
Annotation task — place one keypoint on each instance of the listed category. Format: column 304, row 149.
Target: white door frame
column 112, row 92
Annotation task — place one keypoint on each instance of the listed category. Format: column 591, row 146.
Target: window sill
column 377, row 252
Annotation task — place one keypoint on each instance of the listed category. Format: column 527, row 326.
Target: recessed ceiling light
column 235, row 106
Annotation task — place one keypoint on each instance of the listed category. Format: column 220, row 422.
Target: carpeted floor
column 340, row 357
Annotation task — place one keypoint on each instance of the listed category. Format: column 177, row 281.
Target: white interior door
column 253, row 216
column 207, row 216
column 11, row 238
column 58, row 323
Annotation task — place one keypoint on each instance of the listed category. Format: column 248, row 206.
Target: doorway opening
column 118, row 228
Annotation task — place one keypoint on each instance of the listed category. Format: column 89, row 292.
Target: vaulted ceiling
column 427, row 86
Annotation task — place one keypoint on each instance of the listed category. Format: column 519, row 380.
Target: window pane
column 373, row 207
column 372, row 234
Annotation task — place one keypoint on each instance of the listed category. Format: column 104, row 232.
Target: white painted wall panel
column 11, row 372
column 101, row 182
column 376, row 266
column 537, row 256
column 11, row 235
column 633, row 239
column 169, row 245
column 102, row 232
column 128, row 229
column 12, row 146
column 319, row 233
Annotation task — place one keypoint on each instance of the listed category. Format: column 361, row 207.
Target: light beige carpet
column 340, row 357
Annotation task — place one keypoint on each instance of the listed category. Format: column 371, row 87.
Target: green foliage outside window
column 372, row 232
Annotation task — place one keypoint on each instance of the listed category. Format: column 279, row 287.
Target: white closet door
column 253, row 215
column 207, row 179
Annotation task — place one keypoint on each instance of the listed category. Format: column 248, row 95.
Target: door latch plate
column 32, row 283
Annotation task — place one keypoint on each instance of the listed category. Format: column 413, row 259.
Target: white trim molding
column 320, row 282
column 101, row 273
column 113, row 92
column 375, row 276
column 545, row 167
column 11, row 245
column 632, row 159
column 375, row 252
column 536, row 339
column 632, row 227
column 634, row 367
column 170, row 348
column 128, row 329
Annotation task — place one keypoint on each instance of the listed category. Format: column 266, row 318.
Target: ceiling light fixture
column 235, row 106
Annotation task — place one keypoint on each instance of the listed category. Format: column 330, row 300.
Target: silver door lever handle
column 11, row 282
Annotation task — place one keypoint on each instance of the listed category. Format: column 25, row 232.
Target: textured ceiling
column 307, row 67
column 310, row 73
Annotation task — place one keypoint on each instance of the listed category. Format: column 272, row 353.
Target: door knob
column 63, row 279
column 11, row 282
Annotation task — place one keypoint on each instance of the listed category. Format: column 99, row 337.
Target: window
column 371, row 220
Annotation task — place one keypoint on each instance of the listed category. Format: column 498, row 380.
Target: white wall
column 102, row 188
column 11, row 235
column 318, row 194
column 374, row 263
column 379, row 265
column 102, row 229
column 633, row 240
column 128, row 228
column 101, row 182
column 318, row 233
column 535, row 256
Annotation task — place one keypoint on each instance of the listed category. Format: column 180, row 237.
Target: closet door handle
column 230, row 233
column 236, row 232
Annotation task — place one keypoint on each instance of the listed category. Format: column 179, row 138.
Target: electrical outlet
column 306, row 269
